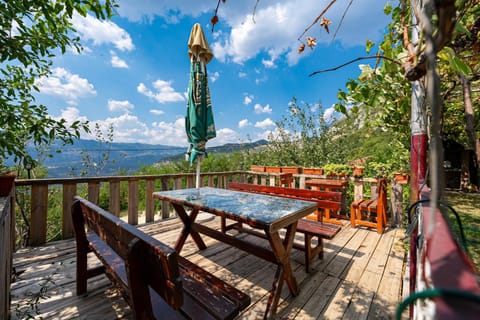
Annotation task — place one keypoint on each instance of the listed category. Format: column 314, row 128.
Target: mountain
column 122, row 156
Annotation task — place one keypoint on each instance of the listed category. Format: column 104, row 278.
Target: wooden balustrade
column 90, row 187
column 39, row 196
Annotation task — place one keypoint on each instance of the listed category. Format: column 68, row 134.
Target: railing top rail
column 47, row 181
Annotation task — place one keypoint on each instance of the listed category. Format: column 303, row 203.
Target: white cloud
column 259, row 109
column 329, row 114
column 269, row 63
column 244, row 123
column 277, row 26
column 242, row 74
column 157, row 112
column 224, row 135
column 265, row 124
column 164, row 92
column 117, row 105
column 214, row 76
column 248, row 99
column 102, row 32
column 62, row 83
column 116, row 61
column 274, row 29
column 70, row 115
column 169, row 133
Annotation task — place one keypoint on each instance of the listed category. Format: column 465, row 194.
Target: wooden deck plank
column 358, row 264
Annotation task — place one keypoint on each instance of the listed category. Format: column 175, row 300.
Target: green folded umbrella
column 199, row 123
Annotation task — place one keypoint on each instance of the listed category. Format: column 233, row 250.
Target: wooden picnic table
column 267, row 213
column 335, row 185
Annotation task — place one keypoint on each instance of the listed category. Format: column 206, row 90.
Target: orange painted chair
column 371, row 212
column 285, row 180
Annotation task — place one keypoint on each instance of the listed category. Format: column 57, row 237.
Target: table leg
column 187, row 228
column 282, row 250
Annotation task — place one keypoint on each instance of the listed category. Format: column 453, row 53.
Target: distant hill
column 123, row 156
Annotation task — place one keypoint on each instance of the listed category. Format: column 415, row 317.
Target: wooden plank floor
column 360, row 277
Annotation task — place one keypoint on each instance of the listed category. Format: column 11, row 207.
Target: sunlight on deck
column 359, row 277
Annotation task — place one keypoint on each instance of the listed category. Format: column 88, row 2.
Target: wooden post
column 165, row 204
column 114, row 201
column 397, row 204
column 93, row 192
column 149, row 202
column 38, row 220
column 69, row 191
column 133, row 202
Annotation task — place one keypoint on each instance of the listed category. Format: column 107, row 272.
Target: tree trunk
column 470, row 121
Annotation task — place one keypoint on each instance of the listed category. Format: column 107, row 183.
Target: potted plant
column 318, row 171
column 272, row 169
column 256, row 168
column 290, row 169
column 401, row 177
column 337, row 170
column 358, row 171
column 7, row 179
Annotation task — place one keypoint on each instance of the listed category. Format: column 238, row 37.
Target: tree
column 32, row 33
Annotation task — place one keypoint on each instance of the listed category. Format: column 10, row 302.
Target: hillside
column 122, row 156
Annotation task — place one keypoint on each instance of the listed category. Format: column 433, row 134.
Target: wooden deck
column 360, row 277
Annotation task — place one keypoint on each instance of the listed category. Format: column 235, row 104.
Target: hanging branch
column 317, row 18
column 355, row 60
column 341, row 20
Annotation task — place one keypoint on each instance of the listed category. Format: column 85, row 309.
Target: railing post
column 397, row 204
column 69, row 191
column 165, row 204
column 93, row 192
column 149, row 202
column 133, row 202
column 38, row 219
column 357, row 189
column 114, row 201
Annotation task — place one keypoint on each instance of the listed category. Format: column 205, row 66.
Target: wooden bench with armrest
column 371, row 212
column 155, row 281
column 312, row 227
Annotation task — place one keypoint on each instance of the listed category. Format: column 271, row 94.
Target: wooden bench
column 371, row 212
column 311, row 228
column 155, row 281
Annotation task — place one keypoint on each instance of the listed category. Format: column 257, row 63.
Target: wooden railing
column 39, row 196
column 6, row 250
column 38, row 190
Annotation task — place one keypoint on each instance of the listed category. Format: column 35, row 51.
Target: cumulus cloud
column 117, row 105
column 62, row 83
column 244, row 123
column 248, row 99
column 259, row 109
column 102, row 32
column 70, row 115
column 157, row 112
column 116, row 61
column 265, row 124
column 214, row 76
column 164, row 92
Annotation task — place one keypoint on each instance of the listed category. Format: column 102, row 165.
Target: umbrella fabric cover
column 199, row 123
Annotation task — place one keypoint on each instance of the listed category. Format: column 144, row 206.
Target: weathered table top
column 262, row 211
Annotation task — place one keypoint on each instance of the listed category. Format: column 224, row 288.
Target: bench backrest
column 382, row 194
column 300, row 193
column 159, row 263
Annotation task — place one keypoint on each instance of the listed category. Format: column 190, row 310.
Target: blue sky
column 134, row 70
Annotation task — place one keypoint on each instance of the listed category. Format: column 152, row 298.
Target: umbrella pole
column 197, row 182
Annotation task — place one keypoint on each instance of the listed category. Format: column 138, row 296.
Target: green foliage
column 94, row 162
column 31, row 34
column 334, row 169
